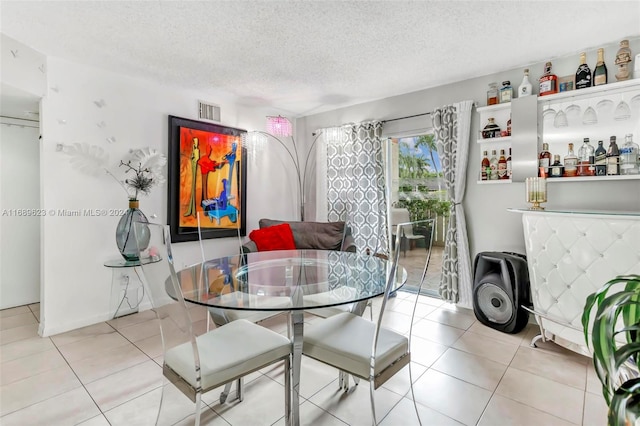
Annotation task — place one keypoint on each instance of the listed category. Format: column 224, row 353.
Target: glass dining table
column 289, row 281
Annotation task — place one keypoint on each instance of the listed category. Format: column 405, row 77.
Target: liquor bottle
column 525, row 88
column 491, row 130
column 557, row 169
column 502, row 166
column 493, row 164
column 601, row 160
column 506, row 92
column 586, row 159
column 570, row 163
column 509, row 165
column 509, row 126
column 583, row 73
column 492, row 94
column 623, row 58
column 600, row 71
column 629, row 156
column 548, row 81
column 544, row 161
column 485, row 168
column 613, row 158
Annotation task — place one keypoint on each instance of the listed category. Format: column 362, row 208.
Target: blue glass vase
column 125, row 235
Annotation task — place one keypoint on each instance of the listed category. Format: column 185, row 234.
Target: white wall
column 76, row 284
column 489, row 224
column 22, row 67
column 23, row 77
column 19, row 190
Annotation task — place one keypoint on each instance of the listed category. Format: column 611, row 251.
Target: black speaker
column 500, row 288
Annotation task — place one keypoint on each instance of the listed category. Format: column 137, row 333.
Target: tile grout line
column 493, row 393
column 83, row 385
column 54, row 396
column 530, row 406
column 134, row 343
column 79, row 381
column 584, row 405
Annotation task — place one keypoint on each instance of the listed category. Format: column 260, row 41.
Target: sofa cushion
column 312, row 235
column 277, row 237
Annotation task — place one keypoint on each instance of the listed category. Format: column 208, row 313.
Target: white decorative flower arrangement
column 142, row 167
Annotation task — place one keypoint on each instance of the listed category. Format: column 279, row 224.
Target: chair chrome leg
column 240, row 389
column 413, row 396
column 287, row 391
column 225, row 393
column 161, row 418
column 209, row 319
column 344, row 382
column 297, row 323
column 198, row 408
column 373, row 404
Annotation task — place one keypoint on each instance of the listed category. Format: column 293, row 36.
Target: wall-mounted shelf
column 493, row 108
column 501, row 113
column 493, row 182
column 593, row 178
column 532, row 127
column 503, row 139
column 616, row 87
column 603, row 101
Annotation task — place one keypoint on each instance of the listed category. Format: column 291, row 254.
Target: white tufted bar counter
column 571, row 254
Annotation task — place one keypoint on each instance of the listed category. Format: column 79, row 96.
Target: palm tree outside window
column 417, row 185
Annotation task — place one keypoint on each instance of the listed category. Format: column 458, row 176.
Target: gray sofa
column 312, row 235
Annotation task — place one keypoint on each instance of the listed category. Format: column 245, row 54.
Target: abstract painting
column 207, row 175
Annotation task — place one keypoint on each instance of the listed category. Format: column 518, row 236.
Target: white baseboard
column 45, row 331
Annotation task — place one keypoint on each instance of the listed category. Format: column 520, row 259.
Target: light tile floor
column 463, row 373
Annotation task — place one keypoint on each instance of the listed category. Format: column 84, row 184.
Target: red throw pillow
column 277, row 237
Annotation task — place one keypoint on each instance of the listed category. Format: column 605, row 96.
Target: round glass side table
column 127, row 291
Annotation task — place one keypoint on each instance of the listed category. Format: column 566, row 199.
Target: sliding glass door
column 416, row 192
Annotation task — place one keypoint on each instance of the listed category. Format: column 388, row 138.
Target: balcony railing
column 440, row 230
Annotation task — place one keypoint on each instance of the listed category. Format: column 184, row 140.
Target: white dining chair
column 221, row 316
column 198, row 364
column 408, row 240
column 366, row 349
column 353, row 247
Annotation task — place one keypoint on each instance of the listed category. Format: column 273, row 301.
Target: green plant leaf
column 625, row 352
column 597, row 298
column 604, row 327
column 624, row 403
column 616, row 314
column 631, row 313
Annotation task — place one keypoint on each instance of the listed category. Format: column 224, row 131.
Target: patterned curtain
column 452, row 125
column 355, row 183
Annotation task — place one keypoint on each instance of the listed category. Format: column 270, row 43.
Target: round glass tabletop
column 287, row 280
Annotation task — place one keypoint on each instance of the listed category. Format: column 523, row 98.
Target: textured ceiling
column 304, row 57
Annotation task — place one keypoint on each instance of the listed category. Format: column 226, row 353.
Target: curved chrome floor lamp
column 279, row 128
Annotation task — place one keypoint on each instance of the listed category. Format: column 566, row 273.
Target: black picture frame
column 194, row 147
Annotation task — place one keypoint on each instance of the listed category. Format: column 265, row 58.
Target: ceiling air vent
column 208, row 111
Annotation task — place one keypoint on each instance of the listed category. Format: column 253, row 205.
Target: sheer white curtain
column 452, row 124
